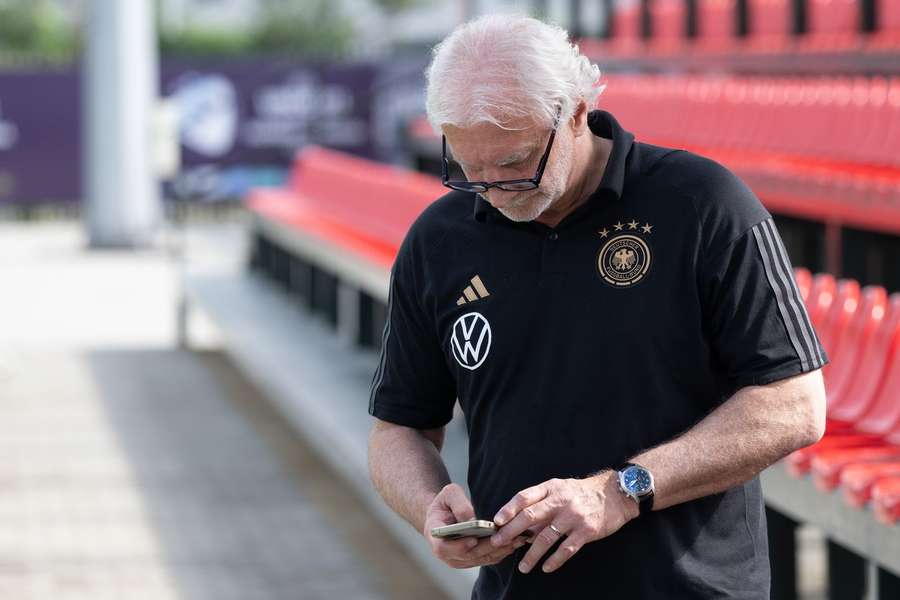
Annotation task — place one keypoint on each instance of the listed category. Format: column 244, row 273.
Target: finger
column 526, row 497
column 455, row 548
column 539, row 546
column 455, row 499
column 529, row 520
column 565, row 551
column 486, row 548
column 492, row 557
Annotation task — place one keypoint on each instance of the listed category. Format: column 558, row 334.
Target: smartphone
column 474, row 528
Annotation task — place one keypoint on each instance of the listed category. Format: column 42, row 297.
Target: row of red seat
column 770, row 23
column 360, row 206
column 825, row 148
column 846, row 119
column 860, row 452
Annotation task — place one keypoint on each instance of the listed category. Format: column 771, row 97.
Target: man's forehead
column 488, row 140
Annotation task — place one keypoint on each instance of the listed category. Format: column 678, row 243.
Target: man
column 620, row 325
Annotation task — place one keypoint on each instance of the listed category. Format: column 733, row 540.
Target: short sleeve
column 756, row 320
column 412, row 385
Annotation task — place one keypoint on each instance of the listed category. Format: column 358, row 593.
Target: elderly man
column 620, row 325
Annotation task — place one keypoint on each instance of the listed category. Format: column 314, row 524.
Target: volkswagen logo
column 471, row 340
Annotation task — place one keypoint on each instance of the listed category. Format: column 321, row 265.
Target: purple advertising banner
column 240, row 124
column 40, row 118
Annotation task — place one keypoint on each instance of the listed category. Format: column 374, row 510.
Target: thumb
column 455, row 499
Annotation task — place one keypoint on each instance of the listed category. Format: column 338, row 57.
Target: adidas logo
column 473, row 292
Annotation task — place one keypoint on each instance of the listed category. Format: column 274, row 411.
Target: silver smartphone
column 474, row 528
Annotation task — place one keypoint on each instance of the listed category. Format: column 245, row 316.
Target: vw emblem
column 471, row 340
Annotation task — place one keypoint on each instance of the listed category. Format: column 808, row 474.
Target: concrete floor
column 131, row 469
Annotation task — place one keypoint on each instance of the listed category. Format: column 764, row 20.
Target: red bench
column 355, row 205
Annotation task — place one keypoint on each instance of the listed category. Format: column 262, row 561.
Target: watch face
column 637, row 480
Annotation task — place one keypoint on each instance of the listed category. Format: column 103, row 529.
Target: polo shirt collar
column 601, row 124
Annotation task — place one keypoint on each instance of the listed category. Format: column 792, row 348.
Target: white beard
column 529, row 210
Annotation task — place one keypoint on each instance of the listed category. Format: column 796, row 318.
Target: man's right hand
column 452, row 506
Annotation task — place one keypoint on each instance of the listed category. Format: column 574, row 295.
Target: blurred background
column 200, row 201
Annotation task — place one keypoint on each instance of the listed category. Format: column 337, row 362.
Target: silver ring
column 555, row 530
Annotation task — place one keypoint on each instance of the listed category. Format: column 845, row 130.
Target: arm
column 755, row 428
column 406, row 467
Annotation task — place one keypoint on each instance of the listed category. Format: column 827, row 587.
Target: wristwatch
column 636, row 482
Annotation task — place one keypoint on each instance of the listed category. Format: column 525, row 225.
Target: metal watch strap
column 645, row 503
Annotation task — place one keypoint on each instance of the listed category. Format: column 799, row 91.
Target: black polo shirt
column 572, row 349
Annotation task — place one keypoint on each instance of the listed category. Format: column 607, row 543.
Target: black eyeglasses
column 510, row 185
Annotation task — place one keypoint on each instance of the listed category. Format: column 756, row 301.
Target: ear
column 578, row 123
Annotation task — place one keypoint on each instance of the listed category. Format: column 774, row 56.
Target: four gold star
column 632, row 225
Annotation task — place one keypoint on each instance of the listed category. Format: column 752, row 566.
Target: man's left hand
column 583, row 510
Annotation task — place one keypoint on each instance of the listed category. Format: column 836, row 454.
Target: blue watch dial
column 637, row 481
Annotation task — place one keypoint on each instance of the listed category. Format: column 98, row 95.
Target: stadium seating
column 835, row 26
column 770, row 132
column 769, row 24
column 361, row 206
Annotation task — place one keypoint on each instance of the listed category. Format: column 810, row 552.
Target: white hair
column 502, row 67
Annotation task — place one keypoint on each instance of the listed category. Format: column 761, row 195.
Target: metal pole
column 119, row 88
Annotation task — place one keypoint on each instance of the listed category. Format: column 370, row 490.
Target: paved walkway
column 132, row 470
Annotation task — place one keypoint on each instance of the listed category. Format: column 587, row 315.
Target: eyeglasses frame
column 483, row 186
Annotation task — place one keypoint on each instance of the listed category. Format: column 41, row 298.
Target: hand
column 584, row 510
column 452, row 506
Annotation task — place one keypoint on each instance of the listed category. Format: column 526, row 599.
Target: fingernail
column 496, row 540
column 472, row 543
column 523, row 566
column 545, row 569
column 499, row 520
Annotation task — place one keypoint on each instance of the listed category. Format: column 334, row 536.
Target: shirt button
column 553, row 236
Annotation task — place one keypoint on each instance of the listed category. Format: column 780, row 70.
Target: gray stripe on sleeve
column 783, row 308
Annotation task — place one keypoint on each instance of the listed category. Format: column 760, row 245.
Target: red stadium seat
column 668, row 24
column 716, row 24
column 876, row 434
column 881, row 410
column 769, row 23
column 832, row 24
column 821, row 298
column 887, row 25
column 847, row 361
column 846, row 301
column 886, row 500
column 626, row 25
column 804, row 282
column 857, row 480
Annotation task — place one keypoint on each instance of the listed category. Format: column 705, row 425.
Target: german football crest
column 624, row 259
